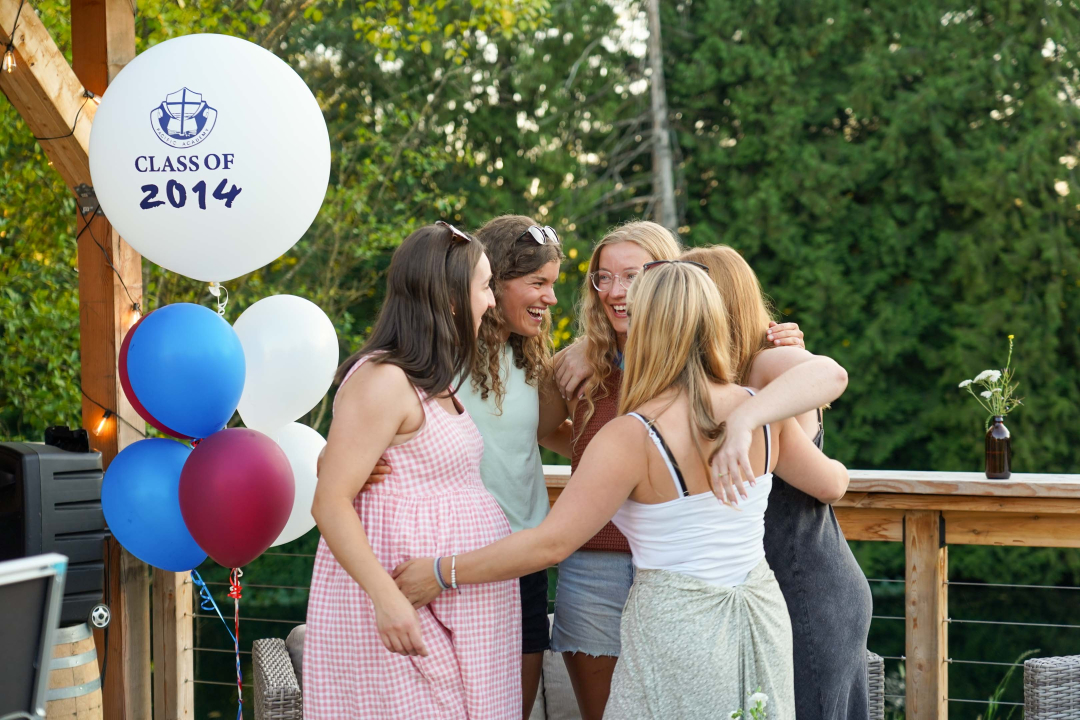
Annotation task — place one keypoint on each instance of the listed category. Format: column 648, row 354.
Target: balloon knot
column 234, row 583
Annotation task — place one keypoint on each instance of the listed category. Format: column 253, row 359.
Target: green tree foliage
column 900, row 174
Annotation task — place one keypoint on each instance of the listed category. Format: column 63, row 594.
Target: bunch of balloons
column 233, row 492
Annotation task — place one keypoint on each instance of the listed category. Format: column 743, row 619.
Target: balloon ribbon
column 207, row 603
column 234, row 593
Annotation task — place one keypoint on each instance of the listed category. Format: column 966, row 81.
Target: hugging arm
column 608, row 473
column 805, row 467
column 810, row 384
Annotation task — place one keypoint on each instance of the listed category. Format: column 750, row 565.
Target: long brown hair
column 747, row 308
column 678, row 339
column 426, row 326
column 512, row 256
column 601, row 343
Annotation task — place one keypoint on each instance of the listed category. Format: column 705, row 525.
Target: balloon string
column 206, row 602
column 234, row 593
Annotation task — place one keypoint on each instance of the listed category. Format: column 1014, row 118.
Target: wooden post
column 926, row 612
column 102, row 42
column 174, row 654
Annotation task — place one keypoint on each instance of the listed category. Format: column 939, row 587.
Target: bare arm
column 562, row 440
column 771, row 364
column 804, row 466
column 553, row 414
column 806, row 386
column 609, row 471
column 356, row 441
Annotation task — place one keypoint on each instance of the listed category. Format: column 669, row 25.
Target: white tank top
column 697, row 535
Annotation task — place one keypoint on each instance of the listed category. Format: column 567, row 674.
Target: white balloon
column 302, row 446
column 291, row 354
column 210, row 156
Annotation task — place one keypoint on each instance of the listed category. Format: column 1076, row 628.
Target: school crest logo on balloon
column 183, row 119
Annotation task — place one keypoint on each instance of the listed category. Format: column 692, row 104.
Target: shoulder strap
column 665, row 453
column 768, row 439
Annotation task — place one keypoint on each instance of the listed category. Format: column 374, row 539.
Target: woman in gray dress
column 827, row 595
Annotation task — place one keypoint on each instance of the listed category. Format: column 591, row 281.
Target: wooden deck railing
column 928, row 511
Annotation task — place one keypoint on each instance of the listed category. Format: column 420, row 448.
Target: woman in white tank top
column 706, row 623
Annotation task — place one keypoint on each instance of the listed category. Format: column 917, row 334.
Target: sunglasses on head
column 542, row 235
column 654, row 263
column 455, row 234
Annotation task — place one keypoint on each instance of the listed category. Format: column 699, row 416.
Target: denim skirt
column 589, row 600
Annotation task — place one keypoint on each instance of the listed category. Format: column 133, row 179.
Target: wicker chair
column 875, row 667
column 1052, row 688
column 277, row 693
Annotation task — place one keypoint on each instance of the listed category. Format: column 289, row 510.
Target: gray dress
column 828, row 599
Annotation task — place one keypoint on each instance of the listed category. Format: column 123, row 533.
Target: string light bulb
column 9, row 60
column 136, row 313
column 104, row 418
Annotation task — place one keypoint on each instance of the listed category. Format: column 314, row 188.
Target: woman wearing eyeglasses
column 368, row 653
column 595, row 581
column 705, row 623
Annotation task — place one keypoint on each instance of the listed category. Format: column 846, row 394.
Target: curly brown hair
column 512, row 256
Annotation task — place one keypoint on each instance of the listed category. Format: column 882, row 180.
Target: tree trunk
column 662, row 170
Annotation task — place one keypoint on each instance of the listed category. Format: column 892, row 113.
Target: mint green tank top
column 511, row 468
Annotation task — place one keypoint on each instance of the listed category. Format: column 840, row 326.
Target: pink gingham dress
column 433, row 503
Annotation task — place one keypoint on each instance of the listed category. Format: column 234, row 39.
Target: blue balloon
column 186, row 366
column 141, row 500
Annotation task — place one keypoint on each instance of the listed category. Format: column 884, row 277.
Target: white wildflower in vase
column 997, row 397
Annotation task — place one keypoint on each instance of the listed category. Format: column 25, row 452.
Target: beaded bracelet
column 438, row 575
column 453, row 572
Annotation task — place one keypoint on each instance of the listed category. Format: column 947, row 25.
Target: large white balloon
column 291, row 354
column 302, row 446
column 210, row 155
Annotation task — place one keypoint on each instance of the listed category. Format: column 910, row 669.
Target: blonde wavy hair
column 749, row 311
column 511, row 257
column 601, row 344
column 679, row 339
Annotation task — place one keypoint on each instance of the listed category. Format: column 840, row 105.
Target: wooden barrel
column 74, row 680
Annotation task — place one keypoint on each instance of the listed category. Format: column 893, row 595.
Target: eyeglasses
column 654, row 263
column 455, row 234
column 603, row 281
column 542, row 235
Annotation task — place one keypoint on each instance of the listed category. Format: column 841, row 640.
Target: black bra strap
column 663, row 447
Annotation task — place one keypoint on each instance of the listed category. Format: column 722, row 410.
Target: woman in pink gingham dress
column 458, row 658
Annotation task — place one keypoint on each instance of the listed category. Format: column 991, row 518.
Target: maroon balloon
column 236, row 494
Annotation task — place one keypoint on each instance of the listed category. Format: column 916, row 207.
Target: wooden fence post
column 174, row 654
column 926, row 610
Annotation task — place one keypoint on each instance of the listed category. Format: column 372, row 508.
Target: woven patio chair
column 1052, row 688
column 277, row 693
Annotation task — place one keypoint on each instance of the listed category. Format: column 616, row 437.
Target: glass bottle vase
column 998, row 450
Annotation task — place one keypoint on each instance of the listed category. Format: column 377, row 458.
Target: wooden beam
column 174, row 654
column 126, row 694
column 1006, row 505
column 110, row 289
column 47, row 93
column 1012, row 529
column 871, row 524
column 926, row 610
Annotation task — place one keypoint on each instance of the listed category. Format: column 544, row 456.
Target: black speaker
column 50, row 501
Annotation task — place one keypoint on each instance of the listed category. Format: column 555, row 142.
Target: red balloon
column 130, row 393
column 236, row 494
